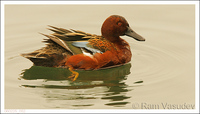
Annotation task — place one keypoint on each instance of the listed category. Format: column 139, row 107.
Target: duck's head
column 115, row 26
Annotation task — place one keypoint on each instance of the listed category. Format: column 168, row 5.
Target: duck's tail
column 52, row 55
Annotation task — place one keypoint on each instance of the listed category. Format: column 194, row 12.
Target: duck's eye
column 119, row 23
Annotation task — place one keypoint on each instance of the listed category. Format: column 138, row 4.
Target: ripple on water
column 160, row 63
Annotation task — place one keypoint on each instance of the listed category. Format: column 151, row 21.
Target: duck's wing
column 62, row 44
column 65, row 38
column 76, row 41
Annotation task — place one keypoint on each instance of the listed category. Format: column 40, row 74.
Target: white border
column 196, row 3
column 2, row 57
column 197, row 55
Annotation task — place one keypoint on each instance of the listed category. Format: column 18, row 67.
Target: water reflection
column 105, row 84
column 49, row 73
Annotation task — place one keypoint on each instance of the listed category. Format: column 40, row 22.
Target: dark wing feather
column 59, row 42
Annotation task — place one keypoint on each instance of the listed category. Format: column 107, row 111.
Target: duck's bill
column 134, row 35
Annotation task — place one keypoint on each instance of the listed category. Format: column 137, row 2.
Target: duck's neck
column 114, row 40
column 119, row 43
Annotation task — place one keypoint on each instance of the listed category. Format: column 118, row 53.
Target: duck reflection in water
column 113, row 87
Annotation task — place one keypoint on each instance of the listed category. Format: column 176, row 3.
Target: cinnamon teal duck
column 74, row 49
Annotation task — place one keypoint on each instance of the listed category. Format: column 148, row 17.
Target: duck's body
column 79, row 50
